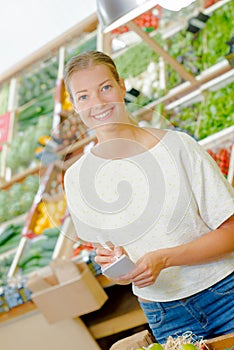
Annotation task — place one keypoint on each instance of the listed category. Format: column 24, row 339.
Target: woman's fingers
column 104, row 256
column 118, row 251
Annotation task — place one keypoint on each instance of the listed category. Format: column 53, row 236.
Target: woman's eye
column 82, row 98
column 106, row 87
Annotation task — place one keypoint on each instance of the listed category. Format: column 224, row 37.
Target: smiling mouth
column 104, row 115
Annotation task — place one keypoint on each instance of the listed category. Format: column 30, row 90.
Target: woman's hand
column 106, row 256
column 148, row 268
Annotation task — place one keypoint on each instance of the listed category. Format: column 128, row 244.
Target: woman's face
column 98, row 97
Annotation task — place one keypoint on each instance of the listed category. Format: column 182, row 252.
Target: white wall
column 27, row 25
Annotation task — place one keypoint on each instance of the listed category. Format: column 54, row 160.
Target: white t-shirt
column 164, row 197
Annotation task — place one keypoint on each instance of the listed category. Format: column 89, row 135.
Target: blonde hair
column 86, row 60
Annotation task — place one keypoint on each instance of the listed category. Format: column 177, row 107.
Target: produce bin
column 73, row 298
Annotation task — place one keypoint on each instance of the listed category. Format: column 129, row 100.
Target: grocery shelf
column 212, row 77
column 16, row 220
column 223, row 138
column 131, row 38
column 215, row 83
column 215, row 6
column 218, row 139
column 170, row 31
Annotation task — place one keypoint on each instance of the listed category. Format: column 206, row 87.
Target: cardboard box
column 138, row 340
column 73, row 298
column 145, row 338
column 220, row 343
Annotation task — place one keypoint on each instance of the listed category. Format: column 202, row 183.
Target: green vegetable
column 7, row 234
column 44, row 261
column 51, row 232
column 49, row 244
column 30, row 269
column 188, row 347
column 31, row 254
column 155, row 346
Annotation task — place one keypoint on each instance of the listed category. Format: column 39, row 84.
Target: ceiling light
column 112, row 14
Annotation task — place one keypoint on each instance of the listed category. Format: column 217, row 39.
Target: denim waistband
column 149, row 305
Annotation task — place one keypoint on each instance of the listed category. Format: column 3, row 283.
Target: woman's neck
column 126, row 141
column 115, row 131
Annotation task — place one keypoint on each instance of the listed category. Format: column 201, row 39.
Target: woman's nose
column 97, row 100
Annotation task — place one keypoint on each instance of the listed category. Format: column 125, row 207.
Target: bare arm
column 210, row 247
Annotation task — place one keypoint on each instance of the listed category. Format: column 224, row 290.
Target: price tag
column 4, row 128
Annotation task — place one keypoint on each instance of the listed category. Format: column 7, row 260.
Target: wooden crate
column 221, row 343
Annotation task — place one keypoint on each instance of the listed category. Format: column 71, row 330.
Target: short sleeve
column 213, row 193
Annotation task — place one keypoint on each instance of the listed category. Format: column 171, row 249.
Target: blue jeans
column 207, row 314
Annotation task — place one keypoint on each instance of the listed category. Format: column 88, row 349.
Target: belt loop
column 161, row 307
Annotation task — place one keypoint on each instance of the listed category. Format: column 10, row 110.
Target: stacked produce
column 49, row 206
column 34, row 115
column 200, row 51
column 21, row 153
column 18, row 198
column 10, row 237
column 196, row 52
column 38, row 252
column 222, row 158
column 5, row 264
column 48, row 214
column 36, row 83
column 207, row 117
column 148, row 21
column 30, row 113
column 136, row 59
column 71, row 128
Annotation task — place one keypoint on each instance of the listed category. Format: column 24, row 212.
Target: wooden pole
column 104, row 41
column 161, row 52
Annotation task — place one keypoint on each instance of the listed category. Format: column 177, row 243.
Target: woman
column 158, row 197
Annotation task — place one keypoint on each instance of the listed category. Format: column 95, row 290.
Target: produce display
column 18, row 198
column 136, row 59
column 30, row 113
column 222, row 158
column 5, row 264
column 202, row 50
column 196, row 52
column 48, row 214
column 38, row 252
column 10, row 237
column 142, row 69
column 21, row 153
column 38, row 81
column 49, row 205
column 207, row 117
column 148, row 21
column 71, row 128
